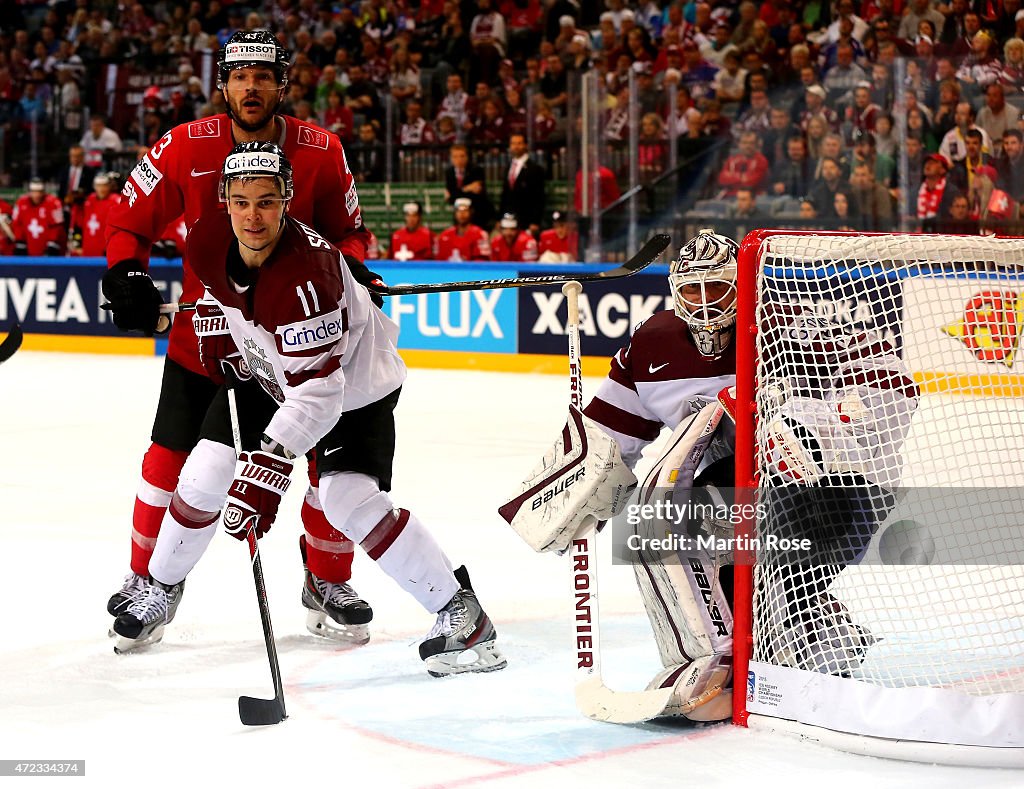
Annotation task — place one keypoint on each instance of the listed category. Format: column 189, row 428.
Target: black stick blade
column 260, row 712
column 11, row 343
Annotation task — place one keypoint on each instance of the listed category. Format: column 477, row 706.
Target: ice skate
column 119, row 601
column 825, row 639
column 142, row 623
column 335, row 611
column 463, row 637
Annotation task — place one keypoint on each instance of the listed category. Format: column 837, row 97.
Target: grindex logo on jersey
column 313, row 333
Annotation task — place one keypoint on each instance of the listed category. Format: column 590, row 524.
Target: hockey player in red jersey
column 513, row 244
column 38, row 223
column 463, row 241
column 179, row 176
column 414, row 240
column 559, row 244
column 91, row 221
column 279, row 307
column 678, row 371
column 6, row 229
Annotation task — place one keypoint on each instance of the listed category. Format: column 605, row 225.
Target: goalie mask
column 703, row 283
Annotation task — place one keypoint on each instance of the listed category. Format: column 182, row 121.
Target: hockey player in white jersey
column 281, row 306
column 678, row 371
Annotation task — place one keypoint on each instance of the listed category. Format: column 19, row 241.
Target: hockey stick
column 648, row 253
column 253, row 711
column 593, row 698
column 11, row 343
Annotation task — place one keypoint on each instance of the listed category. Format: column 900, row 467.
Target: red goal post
column 923, row 291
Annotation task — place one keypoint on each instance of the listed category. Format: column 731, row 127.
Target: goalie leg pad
column 582, row 477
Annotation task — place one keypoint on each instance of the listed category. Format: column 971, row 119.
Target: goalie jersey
column 658, row 380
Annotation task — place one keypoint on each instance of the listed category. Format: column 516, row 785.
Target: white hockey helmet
column 707, row 261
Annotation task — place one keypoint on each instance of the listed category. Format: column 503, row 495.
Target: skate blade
column 319, row 624
column 126, row 645
column 479, row 659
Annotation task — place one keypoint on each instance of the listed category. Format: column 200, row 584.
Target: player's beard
column 249, row 126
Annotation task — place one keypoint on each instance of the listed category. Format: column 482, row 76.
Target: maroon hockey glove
column 216, row 348
column 261, row 479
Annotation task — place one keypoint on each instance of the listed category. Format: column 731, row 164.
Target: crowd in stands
column 843, row 113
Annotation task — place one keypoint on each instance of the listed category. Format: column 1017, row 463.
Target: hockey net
column 904, row 635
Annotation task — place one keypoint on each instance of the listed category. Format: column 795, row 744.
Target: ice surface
column 73, row 429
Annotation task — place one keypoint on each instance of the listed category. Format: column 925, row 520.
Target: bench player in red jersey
column 178, row 176
column 279, row 307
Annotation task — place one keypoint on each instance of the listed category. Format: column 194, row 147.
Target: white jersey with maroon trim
column 180, row 175
column 656, row 381
column 307, row 330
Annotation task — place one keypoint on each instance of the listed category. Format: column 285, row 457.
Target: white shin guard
column 394, row 538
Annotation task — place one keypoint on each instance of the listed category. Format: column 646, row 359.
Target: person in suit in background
column 522, row 192
column 462, row 179
column 74, row 181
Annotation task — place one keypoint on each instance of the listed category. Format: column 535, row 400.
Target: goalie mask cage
column 938, row 673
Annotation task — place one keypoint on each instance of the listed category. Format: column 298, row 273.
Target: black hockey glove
column 134, row 300
column 366, row 278
column 20, row 248
column 53, row 249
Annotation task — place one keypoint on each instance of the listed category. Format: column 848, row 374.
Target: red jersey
column 308, row 331
column 415, row 244
column 563, row 249
column 38, row 225
column 523, row 249
column 94, row 224
column 473, row 244
column 180, row 175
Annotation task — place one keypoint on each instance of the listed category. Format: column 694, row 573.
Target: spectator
column 757, row 118
column 607, row 191
column 366, row 156
column 843, row 77
column 415, row 130
column 652, row 148
column 808, row 209
column 858, row 27
column 515, row 112
column 91, row 224
column 326, row 85
column 943, row 119
column 512, row 244
column 729, row 80
column 824, row 189
column 698, row 73
column 1012, row 75
column 522, row 190
column 817, row 131
column 962, row 172
column 69, row 104
column 489, row 126
column 720, row 44
column 915, row 153
column 414, row 240
column 403, row 76
column 832, row 148
column 989, row 205
column 872, row 203
column 578, row 58
column 196, row 39
column 791, row 175
column 463, row 241
column 558, row 244
column 933, row 197
column 863, row 114
column 864, row 152
column 545, row 124
column 465, row 180
column 776, row 138
column 919, row 9
column 1011, row 165
column 814, row 97
column 338, row 119
column 554, row 84
column 361, row 96
column 38, row 223
column 648, row 96
column 194, row 95
column 455, row 103
column 996, row 117
column 885, row 140
column 981, row 67
column 954, row 145
column 99, row 141
column 746, row 168
column 686, row 120
column 841, row 211
column 745, row 206
column 958, row 218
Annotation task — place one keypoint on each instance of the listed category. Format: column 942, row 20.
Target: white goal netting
column 890, row 434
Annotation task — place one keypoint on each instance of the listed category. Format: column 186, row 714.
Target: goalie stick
column 593, row 698
column 253, row 711
column 11, row 343
column 648, row 253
